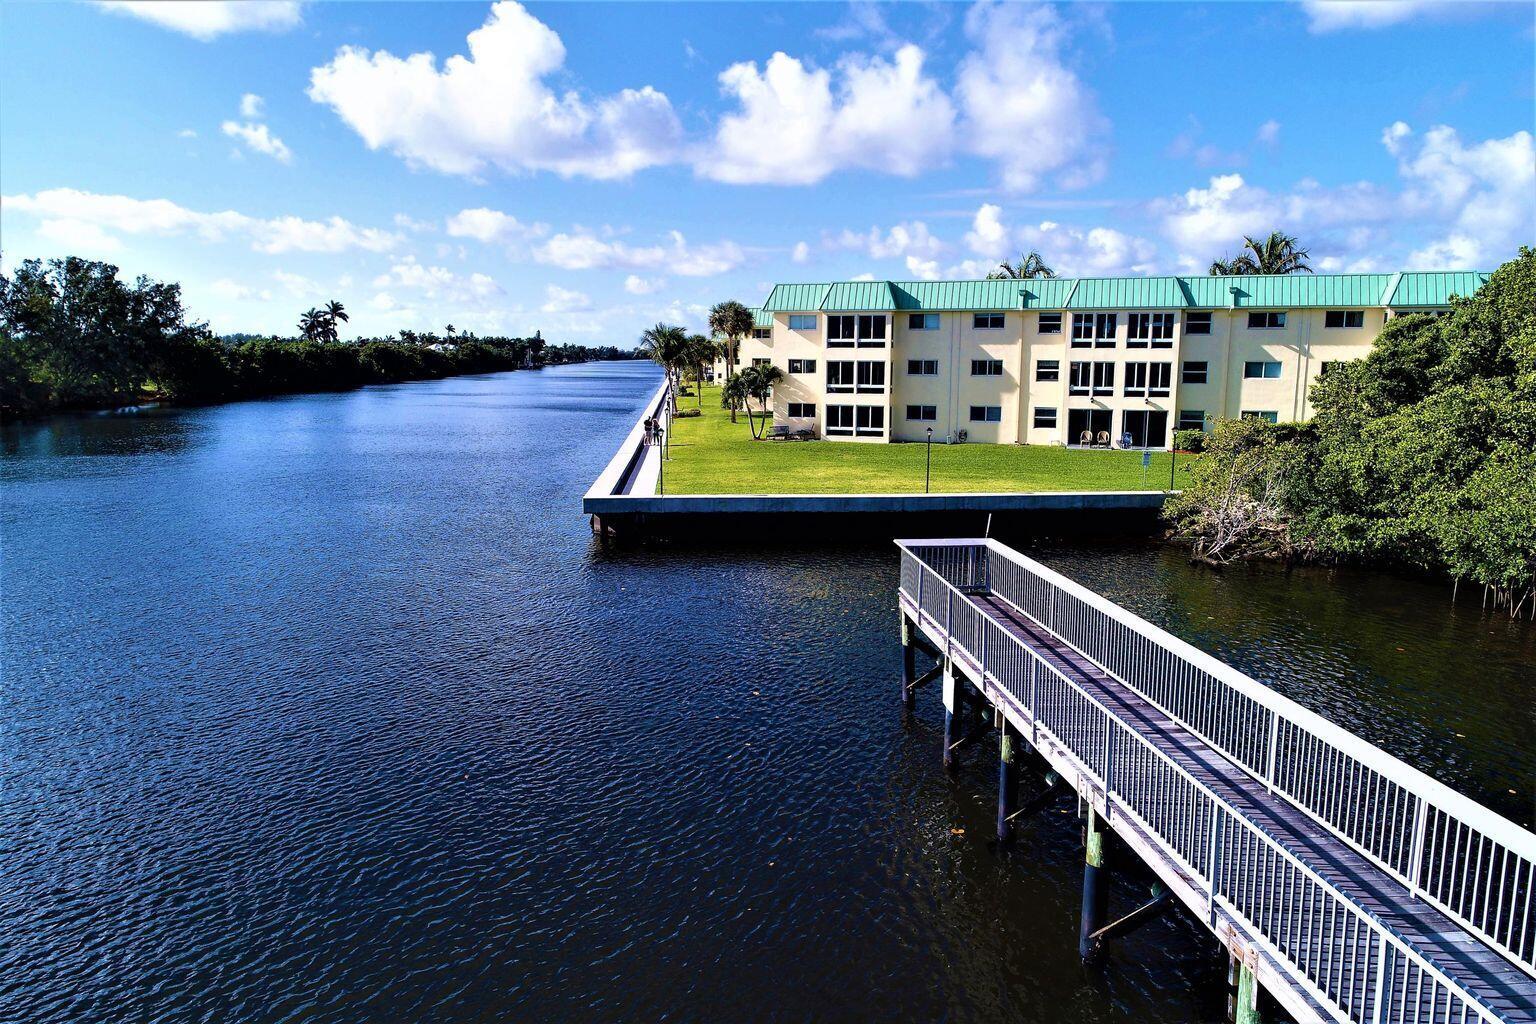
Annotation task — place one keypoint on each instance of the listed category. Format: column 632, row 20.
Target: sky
column 589, row 169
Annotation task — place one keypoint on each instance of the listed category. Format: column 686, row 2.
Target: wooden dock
column 1344, row 882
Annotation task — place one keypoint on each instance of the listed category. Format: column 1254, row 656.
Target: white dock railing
column 1473, row 864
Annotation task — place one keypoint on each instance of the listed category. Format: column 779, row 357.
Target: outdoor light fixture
column 928, row 464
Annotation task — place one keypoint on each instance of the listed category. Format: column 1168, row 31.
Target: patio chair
column 778, row 432
column 1103, row 439
column 803, row 434
column 1087, row 439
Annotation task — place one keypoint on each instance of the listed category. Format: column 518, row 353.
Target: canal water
column 330, row 708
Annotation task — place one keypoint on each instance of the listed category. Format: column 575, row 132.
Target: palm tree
column 1277, row 254
column 667, row 346
column 1030, row 265
column 732, row 321
column 733, row 394
column 757, row 382
column 312, row 324
column 701, row 352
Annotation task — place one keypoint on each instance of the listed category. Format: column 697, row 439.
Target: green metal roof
column 858, row 296
column 1435, row 288
column 761, row 317
column 1244, row 291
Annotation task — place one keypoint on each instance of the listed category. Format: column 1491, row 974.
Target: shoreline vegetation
column 1420, row 455
column 74, row 337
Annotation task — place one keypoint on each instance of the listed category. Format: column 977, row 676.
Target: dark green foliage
column 74, row 336
column 1189, row 440
column 1424, row 452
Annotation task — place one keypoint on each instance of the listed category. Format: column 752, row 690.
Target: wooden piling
column 908, row 666
column 1095, row 893
column 1008, row 780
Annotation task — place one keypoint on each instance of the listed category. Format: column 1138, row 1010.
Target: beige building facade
column 1119, row 361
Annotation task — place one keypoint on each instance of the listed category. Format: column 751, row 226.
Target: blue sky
column 589, row 169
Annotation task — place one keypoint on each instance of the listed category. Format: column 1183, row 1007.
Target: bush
column 683, row 414
column 1189, row 440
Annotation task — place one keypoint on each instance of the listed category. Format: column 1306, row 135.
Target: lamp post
column 928, row 461
column 661, row 463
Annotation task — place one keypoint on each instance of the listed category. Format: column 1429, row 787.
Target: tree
column 1031, row 265
column 757, row 382
column 733, row 394
column 667, row 346
column 313, row 325
column 1277, row 254
column 335, row 313
column 701, row 352
column 730, row 321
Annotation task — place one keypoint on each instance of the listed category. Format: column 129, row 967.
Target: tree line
column 73, row 335
column 1421, row 454
column 681, row 354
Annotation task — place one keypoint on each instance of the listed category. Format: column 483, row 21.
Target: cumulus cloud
column 1484, row 194
column 910, row 238
column 797, row 124
column 493, row 107
column 637, row 285
column 437, row 283
column 801, row 253
column 234, row 291
column 209, row 19
column 988, row 237
column 252, row 106
column 486, row 225
column 583, row 250
column 63, row 210
column 1023, row 107
column 564, row 300
column 1268, row 133
column 1336, row 15
column 258, row 139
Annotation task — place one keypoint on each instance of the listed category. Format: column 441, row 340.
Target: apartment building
column 1061, row 360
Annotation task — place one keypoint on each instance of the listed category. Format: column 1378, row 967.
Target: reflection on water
column 330, row 707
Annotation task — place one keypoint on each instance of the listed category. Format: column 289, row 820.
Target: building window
column 1094, row 330
column 1156, row 328
column 1191, row 419
column 762, row 362
column 1103, row 378
column 1045, row 417
column 761, row 333
column 1256, row 414
column 987, row 321
column 1135, row 380
column 871, row 330
column 1197, row 322
column 986, row 414
column 801, row 411
column 1159, row 379
column 1081, row 380
column 1047, row 369
column 802, row 321
column 1194, row 372
column 1270, row 321
column 1050, row 323
column 1344, row 318
column 922, row 412
column 922, row 367
column 871, row 377
column 802, row 366
column 839, row 421
column 840, row 330
column 839, row 377
column 1257, row 369
column 922, row 321
column 986, row 367
column 1325, row 367
column 869, row 420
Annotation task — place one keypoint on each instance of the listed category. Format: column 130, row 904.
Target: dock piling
column 954, row 714
column 1095, row 895
column 1008, row 781
column 908, row 666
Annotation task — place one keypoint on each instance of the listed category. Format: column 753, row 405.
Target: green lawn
column 712, row 455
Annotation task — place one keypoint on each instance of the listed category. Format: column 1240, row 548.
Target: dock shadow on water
column 330, row 707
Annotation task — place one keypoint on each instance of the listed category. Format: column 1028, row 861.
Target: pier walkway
column 1346, row 883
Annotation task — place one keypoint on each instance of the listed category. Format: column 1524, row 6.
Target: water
column 329, row 708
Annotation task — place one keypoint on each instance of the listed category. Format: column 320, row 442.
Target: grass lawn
column 712, row 455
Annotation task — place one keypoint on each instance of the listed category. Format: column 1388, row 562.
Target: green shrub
column 1189, row 440
column 685, row 413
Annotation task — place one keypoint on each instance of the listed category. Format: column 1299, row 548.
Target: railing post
column 1215, row 864
column 1109, row 762
column 982, row 626
column 1274, row 743
column 949, row 616
column 1381, row 976
column 922, row 573
column 1034, row 698
column 1416, row 857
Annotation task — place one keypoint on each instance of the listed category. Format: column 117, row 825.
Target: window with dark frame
column 1155, row 329
column 840, row 330
column 1047, row 369
column 922, row 367
column 1081, row 380
column 1191, row 419
column 986, row 414
column 839, row 376
column 986, row 367
column 1045, row 416
column 922, row 412
column 987, row 321
column 1135, row 380
column 1103, row 378
column 1194, row 372
column 1050, row 323
column 1342, row 319
column 922, row 321
column 1197, row 322
column 802, row 321
column 802, row 366
column 761, row 333
column 801, row 411
column 1159, row 379
column 1256, row 414
column 1261, row 369
column 1270, row 320
column 871, row 377
column 839, row 420
column 869, row 420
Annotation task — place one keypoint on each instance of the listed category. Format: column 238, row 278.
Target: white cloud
column 492, row 108
column 405, row 222
column 258, row 139
column 1334, row 15
column 1268, row 133
column 487, row 225
column 234, row 291
column 794, row 127
column 801, row 252
column 61, row 210
column 564, row 300
column 988, row 237
column 297, row 285
column 437, row 283
column 209, row 19
column 186, row 133
column 1023, row 107
column 1484, row 194
column 1091, row 252
column 908, row 238
column 252, row 106
column 637, row 285
column 583, row 250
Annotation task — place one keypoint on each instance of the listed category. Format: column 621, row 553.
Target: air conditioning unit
column 961, row 436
